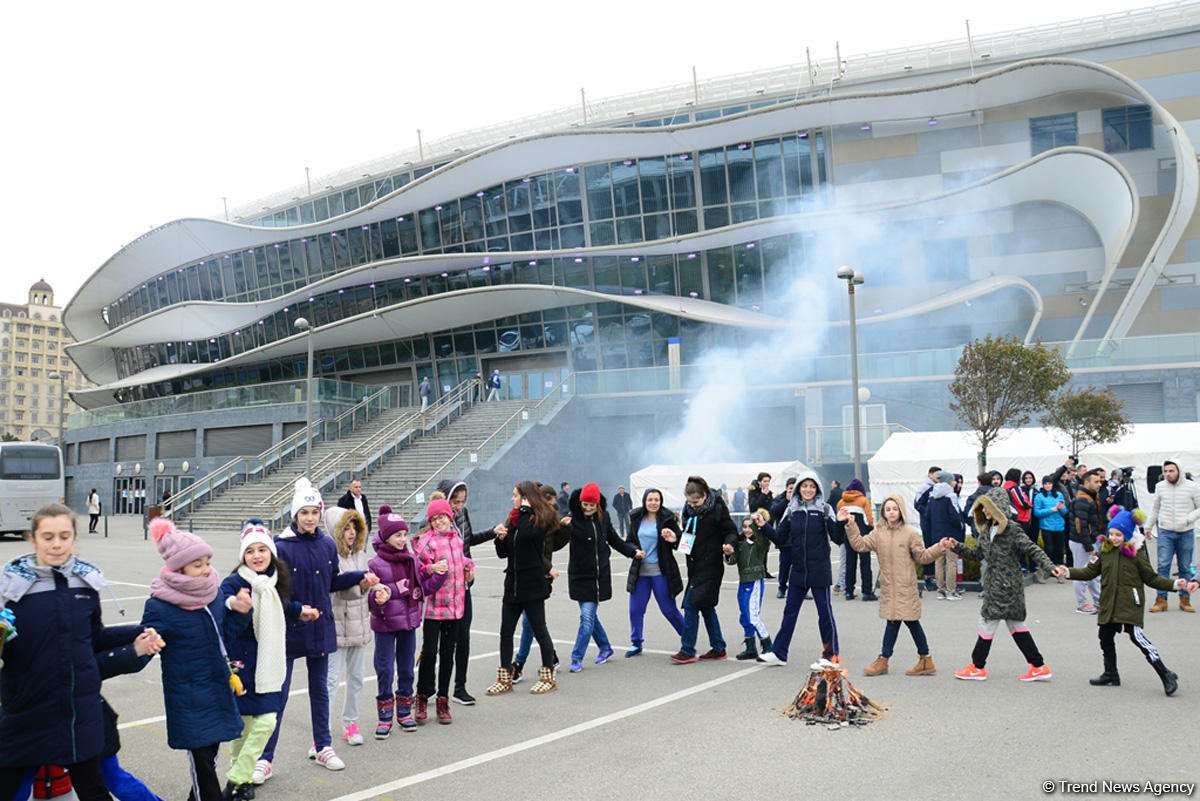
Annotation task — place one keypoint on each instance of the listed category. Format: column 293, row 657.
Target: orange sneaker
column 971, row 673
column 1037, row 673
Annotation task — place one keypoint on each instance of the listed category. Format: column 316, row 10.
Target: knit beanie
column 1122, row 521
column 945, row 477
column 256, row 532
column 856, row 485
column 590, row 493
column 177, row 548
column 389, row 522
column 306, row 495
column 439, row 507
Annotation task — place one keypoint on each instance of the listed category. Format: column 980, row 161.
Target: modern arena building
column 1040, row 182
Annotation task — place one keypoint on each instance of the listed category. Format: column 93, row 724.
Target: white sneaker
column 327, row 757
column 262, row 772
column 954, row 596
column 822, row 664
column 771, row 660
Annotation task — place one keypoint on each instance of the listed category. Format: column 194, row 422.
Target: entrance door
column 162, row 486
column 528, row 378
column 129, row 495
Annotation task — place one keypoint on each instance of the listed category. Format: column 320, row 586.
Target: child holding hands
column 1124, row 567
column 440, row 549
column 395, row 607
column 750, row 555
column 900, row 550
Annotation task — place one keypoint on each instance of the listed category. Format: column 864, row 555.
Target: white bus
column 31, row 475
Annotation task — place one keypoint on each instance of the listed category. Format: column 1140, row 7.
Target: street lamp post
column 302, row 324
column 853, row 278
column 62, row 406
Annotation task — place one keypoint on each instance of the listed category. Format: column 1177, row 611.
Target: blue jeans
column 1171, row 545
column 691, row 626
column 318, row 703
column 526, row 641
column 589, row 627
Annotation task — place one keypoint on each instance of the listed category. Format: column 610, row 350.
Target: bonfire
column 827, row 697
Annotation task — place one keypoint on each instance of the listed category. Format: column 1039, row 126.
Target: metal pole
column 308, row 413
column 854, row 382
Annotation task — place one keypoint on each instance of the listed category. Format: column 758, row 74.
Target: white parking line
column 579, row 728
column 300, row 691
column 129, row 584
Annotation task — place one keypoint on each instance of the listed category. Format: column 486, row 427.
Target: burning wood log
column 827, row 697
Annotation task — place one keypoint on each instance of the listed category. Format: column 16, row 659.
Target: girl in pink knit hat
column 440, row 549
column 185, row 608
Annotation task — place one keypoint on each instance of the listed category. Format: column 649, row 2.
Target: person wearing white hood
column 808, row 526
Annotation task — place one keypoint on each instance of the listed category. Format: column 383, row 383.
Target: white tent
column 900, row 465
column 670, row 478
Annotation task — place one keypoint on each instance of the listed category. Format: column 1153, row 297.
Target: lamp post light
column 62, row 405
column 302, row 324
column 853, row 278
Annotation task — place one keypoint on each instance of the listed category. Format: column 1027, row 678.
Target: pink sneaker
column 352, row 736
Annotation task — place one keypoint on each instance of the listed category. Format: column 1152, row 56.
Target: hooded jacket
column 713, row 528
column 750, row 555
column 899, row 549
column 400, row 572
column 1019, row 497
column 1048, row 518
column 1176, row 507
column 316, row 573
column 1086, row 520
column 664, row 520
column 1003, row 545
column 945, row 519
column 50, row 683
column 1122, row 599
column 462, row 518
column 855, row 496
column 589, row 576
column 350, row 616
column 808, row 528
column 447, row 602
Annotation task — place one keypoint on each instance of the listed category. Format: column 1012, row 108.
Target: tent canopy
column 901, row 464
column 670, row 478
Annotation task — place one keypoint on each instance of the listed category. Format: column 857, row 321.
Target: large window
column 1127, row 128
column 1057, row 130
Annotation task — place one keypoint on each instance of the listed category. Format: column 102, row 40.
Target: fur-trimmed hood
column 347, row 517
column 993, row 503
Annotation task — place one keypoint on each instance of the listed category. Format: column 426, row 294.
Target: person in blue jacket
column 50, row 706
column 1050, row 510
column 185, row 608
column 807, row 526
column 259, row 649
column 313, row 557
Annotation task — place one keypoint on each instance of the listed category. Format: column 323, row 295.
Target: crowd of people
column 313, row 592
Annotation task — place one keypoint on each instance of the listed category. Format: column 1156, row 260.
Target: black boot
column 1170, row 681
column 1109, row 677
column 765, row 645
column 750, row 652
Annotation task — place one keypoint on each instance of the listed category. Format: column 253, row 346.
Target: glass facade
column 1127, row 128
column 1057, row 130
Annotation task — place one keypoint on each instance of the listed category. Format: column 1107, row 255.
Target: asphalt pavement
column 647, row 729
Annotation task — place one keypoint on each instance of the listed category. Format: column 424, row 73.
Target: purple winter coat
column 399, row 571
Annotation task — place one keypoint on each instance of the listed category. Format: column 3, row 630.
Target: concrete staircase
column 419, row 455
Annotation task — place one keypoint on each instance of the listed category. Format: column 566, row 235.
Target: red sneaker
column 971, row 673
column 713, row 655
column 683, row 659
column 1037, row 673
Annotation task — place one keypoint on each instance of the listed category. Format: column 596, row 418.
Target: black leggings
column 206, row 786
column 1056, row 545
column 439, row 638
column 510, row 613
column 85, row 778
column 1024, row 641
column 1108, row 633
column 462, row 649
column 92, row 521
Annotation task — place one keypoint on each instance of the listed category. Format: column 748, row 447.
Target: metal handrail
column 537, row 411
column 360, row 459
column 186, row 498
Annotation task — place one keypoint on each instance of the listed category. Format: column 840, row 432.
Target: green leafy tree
column 1000, row 382
column 1087, row 417
column 8, row 437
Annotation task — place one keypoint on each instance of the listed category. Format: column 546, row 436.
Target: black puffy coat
column 664, row 520
column 525, row 576
column 589, row 576
column 713, row 528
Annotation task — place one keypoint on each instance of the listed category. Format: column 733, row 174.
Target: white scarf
column 270, row 629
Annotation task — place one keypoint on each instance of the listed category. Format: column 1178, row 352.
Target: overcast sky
column 124, row 116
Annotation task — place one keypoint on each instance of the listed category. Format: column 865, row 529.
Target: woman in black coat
column 526, row 585
column 709, row 535
column 589, row 576
column 657, row 572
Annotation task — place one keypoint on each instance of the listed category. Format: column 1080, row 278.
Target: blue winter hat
column 1123, row 522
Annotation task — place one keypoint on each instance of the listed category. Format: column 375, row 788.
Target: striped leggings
column 1137, row 635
